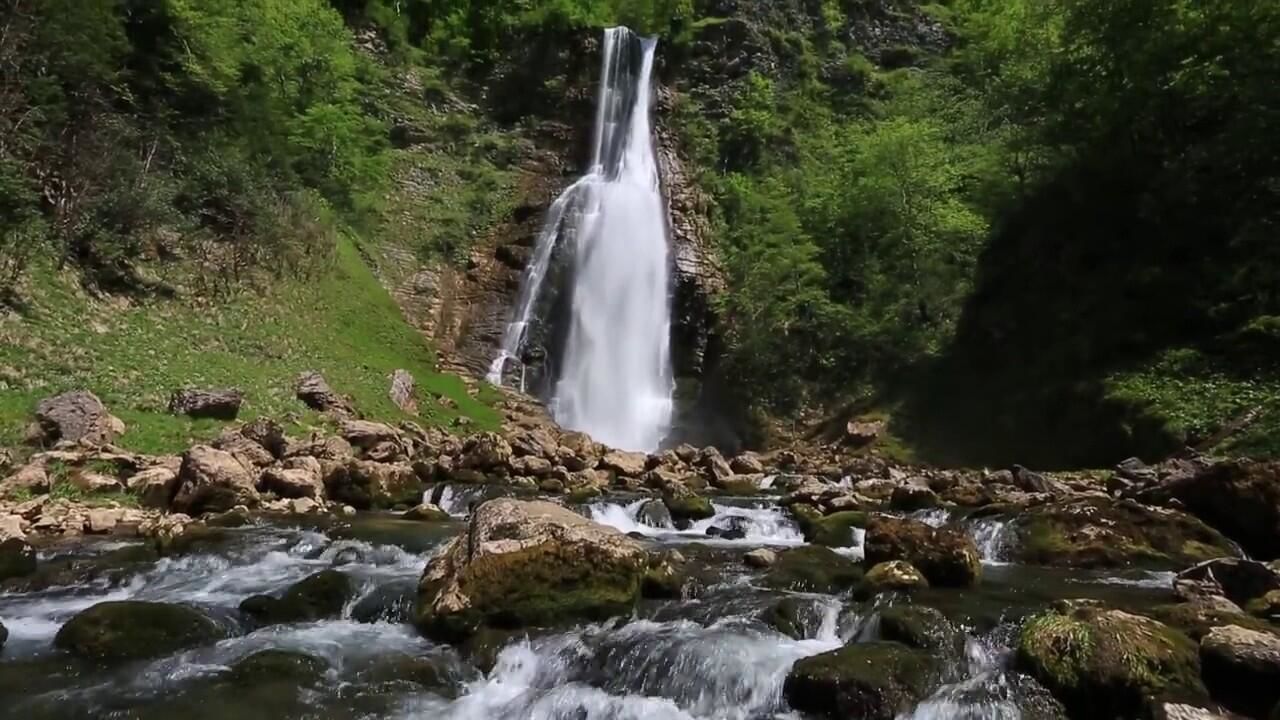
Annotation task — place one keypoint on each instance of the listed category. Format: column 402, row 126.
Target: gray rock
column 222, row 404
column 1241, row 668
column 77, row 417
column 314, row 391
column 403, row 391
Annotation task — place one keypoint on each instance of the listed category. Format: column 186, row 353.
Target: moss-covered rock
column 17, row 559
column 784, row 616
column 275, row 665
column 319, row 596
column 1098, row 532
column 364, row 484
column 870, row 681
column 894, row 575
column 524, row 564
column 813, row 569
column 666, row 578
column 1108, row 663
column 687, row 508
column 834, row 530
column 1242, row 668
column 919, row 627
column 1196, row 619
column 133, row 630
column 1266, row 607
column 946, row 557
column 426, row 512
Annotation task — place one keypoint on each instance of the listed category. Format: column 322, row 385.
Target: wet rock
column 17, row 558
column 874, row 681
column 154, row 487
column 625, row 464
column 1239, row 497
column 920, row 627
column 1107, row 663
column 221, row 404
column 654, row 513
column 278, row 666
column 1242, row 669
column 1236, row 579
column 133, row 630
column 834, row 530
column 364, row 484
column 894, row 575
column 526, row 564
column 1197, row 618
column 314, row 391
column 76, row 417
column 946, row 557
column 812, row 569
column 785, row 617
column 426, row 512
column 485, row 451
column 686, row 507
column 747, row 463
column 389, row 602
column 913, row 496
column 1095, row 532
column 1170, row 710
column 4, row 635
column 760, row 558
column 1267, row 606
column 667, row 577
column 212, row 481
column 316, row 597
column 414, row 673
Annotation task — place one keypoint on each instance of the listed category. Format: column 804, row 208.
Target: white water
column 615, row 381
column 991, row 537
column 768, row 525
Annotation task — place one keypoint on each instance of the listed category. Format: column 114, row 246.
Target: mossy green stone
column 813, row 569
column 919, row 627
column 689, row 507
column 276, row 666
column 835, row 530
column 133, row 630
column 868, row 681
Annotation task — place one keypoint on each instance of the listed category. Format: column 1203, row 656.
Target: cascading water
column 615, row 381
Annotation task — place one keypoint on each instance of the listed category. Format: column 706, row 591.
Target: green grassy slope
column 133, row 355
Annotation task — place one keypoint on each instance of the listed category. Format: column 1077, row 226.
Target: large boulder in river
column 834, row 530
column 526, row 564
column 212, row 480
column 132, row 630
column 870, row 681
column 364, row 484
column 1242, row 669
column 1107, row 663
column 894, row 575
column 1239, row 497
column 316, row 597
column 812, row 569
column 17, row 558
column 1236, row 579
column 946, row 557
column 77, row 417
column 1100, row 532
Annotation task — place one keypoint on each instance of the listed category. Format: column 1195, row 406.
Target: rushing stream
column 712, row 656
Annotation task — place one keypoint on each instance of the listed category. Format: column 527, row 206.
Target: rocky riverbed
column 386, row 572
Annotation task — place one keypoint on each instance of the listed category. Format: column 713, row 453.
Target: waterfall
column 615, row 381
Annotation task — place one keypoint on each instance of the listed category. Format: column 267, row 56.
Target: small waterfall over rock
column 615, row 380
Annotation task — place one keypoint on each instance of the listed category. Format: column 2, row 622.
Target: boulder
column 30, row 479
column 212, row 480
column 1241, row 668
column 249, row 453
column 364, row 434
column 314, row 391
column 403, row 391
column 1236, row 579
column 686, row 507
column 531, row 466
column 1267, row 606
column 834, row 530
column 485, row 451
column 760, row 558
column 812, row 569
column 1107, row 663
column 222, row 404
column 654, row 513
column 912, row 496
column 426, row 512
column 332, row 448
column 133, row 630
column 713, row 465
column 1034, row 482
column 76, row 417
column 923, row 628
column 1197, row 618
column 578, row 451
column 1239, row 497
column 870, row 681
column 267, row 433
column 277, row 666
column 316, row 597
column 625, row 464
column 17, row 558
column 1098, row 532
column 154, row 487
column 859, row 433
column 747, row 463
column 364, row 484
column 526, row 564
column 894, row 575
column 946, row 557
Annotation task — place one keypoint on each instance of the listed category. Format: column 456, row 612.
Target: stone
column 913, row 496
column 1267, row 606
column 748, row 463
column 858, row 433
column 625, row 464
column 316, row 597
column 686, row 507
column 365, row 434
column 426, row 512
column 367, row 485
column 486, row 451
column 154, row 487
column 713, row 465
column 1236, row 579
column 76, row 417
column 1107, row 663
column 314, row 391
column 1239, row 497
column 303, row 506
column 1198, row 617
column 946, row 557
column 1167, row 710
column 4, row 636
column 834, row 530
column 654, row 513
column 277, row 666
column 1241, row 668
column 12, row 526
column 17, row 558
column 267, row 433
column 331, row 448
column 403, row 391
column 92, row 483
column 1035, row 482
column 812, row 569
column 866, row 680
column 212, row 480
column 297, row 477
column 100, row 521
column 894, row 575
column 526, row 564
column 531, row 466
column 923, row 628
column 134, row 630
column 667, row 577
column 30, row 479
column 1099, row 532
column 221, row 404
column 249, row 453
column 578, row 451
column 760, row 558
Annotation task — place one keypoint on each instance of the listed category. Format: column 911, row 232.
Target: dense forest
column 1043, row 230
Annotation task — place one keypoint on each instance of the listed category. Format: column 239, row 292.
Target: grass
column 134, row 354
